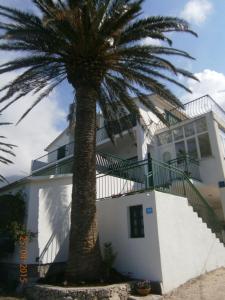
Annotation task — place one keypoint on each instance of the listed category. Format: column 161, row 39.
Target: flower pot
column 143, row 292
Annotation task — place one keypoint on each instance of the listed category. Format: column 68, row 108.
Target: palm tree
column 97, row 46
column 5, row 150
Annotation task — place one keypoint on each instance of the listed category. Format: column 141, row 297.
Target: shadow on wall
column 54, row 222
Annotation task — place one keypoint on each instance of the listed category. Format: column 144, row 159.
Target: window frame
column 140, row 222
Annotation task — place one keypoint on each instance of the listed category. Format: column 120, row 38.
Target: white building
column 160, row 194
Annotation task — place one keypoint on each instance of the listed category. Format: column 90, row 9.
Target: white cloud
column 211, row 82
column 149, row 41
column 33, row 134
column 197, row 11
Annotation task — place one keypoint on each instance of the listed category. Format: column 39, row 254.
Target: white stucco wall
column 177, row 246
column 187, row 246
column 137, row 257
column 63, row 139
column 54, row 217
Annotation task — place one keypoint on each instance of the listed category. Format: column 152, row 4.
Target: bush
column 12, row 215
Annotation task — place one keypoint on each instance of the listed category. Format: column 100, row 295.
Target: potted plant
column 143, row 288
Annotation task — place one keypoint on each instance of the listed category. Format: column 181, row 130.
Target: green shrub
column 12, row 215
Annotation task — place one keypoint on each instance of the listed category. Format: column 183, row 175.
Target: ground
column 206, row 287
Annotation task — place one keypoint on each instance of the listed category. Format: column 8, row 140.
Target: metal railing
column 53, row 156
column 126, row 123
column 168, row 179
column 143, row 176
column 188, row 165
column 68, row 149
column 105, row 163
column 154, row 175
column 194, row 108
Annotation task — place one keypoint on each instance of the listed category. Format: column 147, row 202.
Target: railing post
column 150, row 180
column 183, row 179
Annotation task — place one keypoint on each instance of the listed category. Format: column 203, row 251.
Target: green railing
column 171, row 180
column 125, row 123
column 192, row 109
column 153, row 175
column 188, row 165
column 118, row 177
column 104, row 163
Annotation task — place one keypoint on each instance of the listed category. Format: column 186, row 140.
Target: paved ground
column 208, row 287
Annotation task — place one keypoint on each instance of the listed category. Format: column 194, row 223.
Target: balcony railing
column 188, row 165
column 67, row 150
column 52, row 157
column 126, row 123
column 193, row 109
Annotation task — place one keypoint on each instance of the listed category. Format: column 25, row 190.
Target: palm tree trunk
column 84, row 262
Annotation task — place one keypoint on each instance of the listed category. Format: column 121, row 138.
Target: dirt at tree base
column 210, row 286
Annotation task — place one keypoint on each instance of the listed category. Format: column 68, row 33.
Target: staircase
column 152, row 174
column 165, row 178
column 144, row 176
column 122, row 168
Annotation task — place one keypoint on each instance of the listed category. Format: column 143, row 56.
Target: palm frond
column 5, row 151
column 92, row 41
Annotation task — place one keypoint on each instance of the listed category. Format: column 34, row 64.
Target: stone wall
column 10, row 271
column 111, row 292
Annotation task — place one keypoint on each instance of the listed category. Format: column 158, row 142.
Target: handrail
column 158, row 176
column 189, row 190
column 151, row 174
column 184, row 157
column 194, row 108
column 51, row 157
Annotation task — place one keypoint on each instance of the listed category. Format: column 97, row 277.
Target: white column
column 142, row 143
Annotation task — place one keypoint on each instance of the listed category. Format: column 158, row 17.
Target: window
column 192, row 148
column 204, row 145
column 201, row 125
column 166, row 156
column 164, row 138
column 136, row 222
column 180, row 149
column 189, row 129
column 222, row 137
column 178, row 133
column 170, row 118
column 61, row 152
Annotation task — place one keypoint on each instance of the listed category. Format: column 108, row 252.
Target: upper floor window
column 201, row 125
column 171, row 118
column 178, row 133
column 222, row 138
column 191, row 138
column 204, row 145
column 61, row 152
column 189, row 129
column 164, row 138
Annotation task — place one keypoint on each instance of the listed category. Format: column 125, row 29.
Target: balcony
column 127, row 123
column 62, row 154
column 58, row 155
column 192, row 109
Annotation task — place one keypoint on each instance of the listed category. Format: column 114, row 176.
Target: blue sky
column 206, row 18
